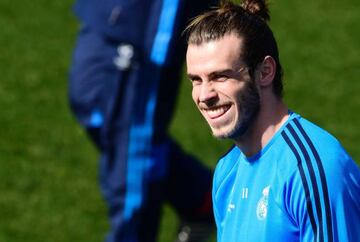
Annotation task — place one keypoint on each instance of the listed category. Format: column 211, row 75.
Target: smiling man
column 285, row 179
column 220, row 67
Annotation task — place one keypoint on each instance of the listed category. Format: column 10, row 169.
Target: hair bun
column 257, row 7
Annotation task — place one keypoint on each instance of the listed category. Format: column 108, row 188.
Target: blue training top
column 302, row 186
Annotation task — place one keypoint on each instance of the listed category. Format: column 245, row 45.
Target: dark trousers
column 126, row 112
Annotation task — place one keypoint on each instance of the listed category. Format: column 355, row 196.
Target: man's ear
column 267, row 71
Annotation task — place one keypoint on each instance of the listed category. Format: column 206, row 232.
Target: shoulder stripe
column 304, row 181
column 322, row 178
column 312, row 180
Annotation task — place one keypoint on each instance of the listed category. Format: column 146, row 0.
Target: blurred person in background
column 124, row 80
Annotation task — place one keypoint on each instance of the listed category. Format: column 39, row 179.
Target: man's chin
column 233, row 134
column 221, row 134
column 220, row 137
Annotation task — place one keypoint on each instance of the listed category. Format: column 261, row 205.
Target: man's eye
column 195, row 81
column 221, row 78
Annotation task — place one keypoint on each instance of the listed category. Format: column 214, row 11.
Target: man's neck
column 272, row 115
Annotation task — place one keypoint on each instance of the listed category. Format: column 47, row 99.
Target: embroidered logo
column 262, row 205
column 231, row 207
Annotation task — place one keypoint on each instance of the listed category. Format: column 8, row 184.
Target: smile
column 216, row 112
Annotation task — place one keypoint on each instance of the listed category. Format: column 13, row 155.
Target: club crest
column 262, row 205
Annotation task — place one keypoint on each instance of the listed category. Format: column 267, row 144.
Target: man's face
column 222, row 88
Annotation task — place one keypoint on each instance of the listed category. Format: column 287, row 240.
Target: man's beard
column 249, row 109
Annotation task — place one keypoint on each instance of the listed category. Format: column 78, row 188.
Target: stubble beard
column 249, row 103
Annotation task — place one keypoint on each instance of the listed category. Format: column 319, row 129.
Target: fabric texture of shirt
column 302, row 186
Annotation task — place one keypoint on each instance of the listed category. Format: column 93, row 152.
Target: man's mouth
column 216, row 112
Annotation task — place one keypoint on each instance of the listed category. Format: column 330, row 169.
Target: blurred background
column 48, row 167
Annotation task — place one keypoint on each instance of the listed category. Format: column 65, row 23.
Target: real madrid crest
column 262, row 205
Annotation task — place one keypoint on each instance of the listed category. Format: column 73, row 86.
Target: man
column 123, row 84
column 285, row 179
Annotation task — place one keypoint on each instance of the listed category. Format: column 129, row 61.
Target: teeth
column 216, row 112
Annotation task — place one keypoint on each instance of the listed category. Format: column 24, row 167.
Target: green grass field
column 48, row 168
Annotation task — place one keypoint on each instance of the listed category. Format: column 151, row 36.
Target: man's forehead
column 225, row 51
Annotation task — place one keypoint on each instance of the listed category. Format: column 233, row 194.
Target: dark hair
column 249, row 21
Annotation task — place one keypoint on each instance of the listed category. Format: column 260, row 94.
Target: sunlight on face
column 222, row 89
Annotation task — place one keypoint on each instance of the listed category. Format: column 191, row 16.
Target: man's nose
column 207, row 92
